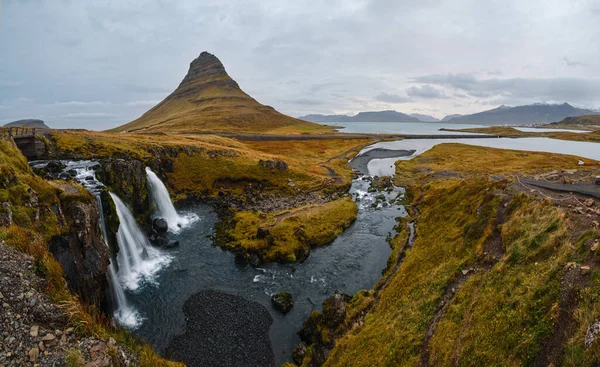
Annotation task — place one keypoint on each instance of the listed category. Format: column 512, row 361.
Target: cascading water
column 165, row 209
column 123, row 312
column 138, row 260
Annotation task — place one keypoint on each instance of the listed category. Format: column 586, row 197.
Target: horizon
column 93, row 65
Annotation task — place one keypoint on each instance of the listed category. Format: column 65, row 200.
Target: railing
column 17, row 131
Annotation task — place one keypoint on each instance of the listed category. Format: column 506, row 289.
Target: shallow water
column 412, row 128
column 352, row 262
column 577, row 148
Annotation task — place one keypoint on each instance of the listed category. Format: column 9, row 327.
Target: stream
column 152, row 284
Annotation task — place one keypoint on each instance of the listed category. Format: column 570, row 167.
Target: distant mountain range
column 424, row 118
column 372, row 116
column 529, row 114
column 28, row 123
column 539, row 113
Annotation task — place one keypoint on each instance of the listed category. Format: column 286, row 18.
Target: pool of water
column 382, row 167
column 352, row 262
column 412, row 128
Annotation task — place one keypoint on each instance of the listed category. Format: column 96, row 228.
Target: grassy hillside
column 589, row 121
column 592, row 136
column 208, row 100
column 486, row 279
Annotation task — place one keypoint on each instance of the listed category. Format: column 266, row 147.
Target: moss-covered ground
column 484, row 282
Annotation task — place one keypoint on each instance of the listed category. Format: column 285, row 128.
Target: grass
column 470, row 160
column 203, row 165
column 20, row 187
column 289, row 235
column 502, row 314
column 592, row 136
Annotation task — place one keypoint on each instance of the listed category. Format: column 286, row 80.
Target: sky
column 99, row 64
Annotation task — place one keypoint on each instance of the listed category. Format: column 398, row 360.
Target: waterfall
column 123, row 313
column 165, row 209
column 138, row 260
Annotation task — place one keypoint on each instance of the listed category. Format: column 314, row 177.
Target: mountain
column 28, row 123
column 586, row 120
column 424, row 118
column 209, row 100
column 528, row 114
column 371, row 116
column 450, row 117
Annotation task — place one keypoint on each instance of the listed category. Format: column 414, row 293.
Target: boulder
column 160, row 225
column 283, row 301
column 5, row 214
column 334, row 309
column 299, row 353
column 275, row 164
column 172, row 243
column 261, row 233
column 597, row 180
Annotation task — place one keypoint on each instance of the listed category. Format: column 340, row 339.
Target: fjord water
column 352, row 262
column 582, row 149
column 165, row 208
column 411, row 128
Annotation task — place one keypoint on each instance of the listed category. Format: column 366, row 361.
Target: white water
column 138, row 261
column 124, row 313
column 165, row 209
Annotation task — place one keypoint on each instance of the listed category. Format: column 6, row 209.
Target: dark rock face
column 321, row 329
column 275, row 164
column 52, row 170
column 160, row 225
column 127, row 179
column 223, row 330
column 283, row 301
column 206, row 66
column 81, row 252
column 299, row 353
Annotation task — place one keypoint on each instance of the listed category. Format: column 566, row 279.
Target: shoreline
column 360, row 163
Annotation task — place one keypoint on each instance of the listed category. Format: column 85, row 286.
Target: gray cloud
column 118, row 57
column 426, row 91
column 391, row 98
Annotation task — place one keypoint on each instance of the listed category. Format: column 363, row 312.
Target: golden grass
column 291, row 233
column 563, row 135
column 472, row 160
column 502, row 314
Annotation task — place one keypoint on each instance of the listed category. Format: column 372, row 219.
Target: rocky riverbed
column 223, row 330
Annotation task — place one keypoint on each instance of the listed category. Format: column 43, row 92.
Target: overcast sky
column 98, row 64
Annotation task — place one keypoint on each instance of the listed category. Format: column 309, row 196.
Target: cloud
column 391, row 98
column 519, row 90
column 426, row 91
column 568, row 62
column 9, row 84
column 88, row 115
column 78, row 103
column 150, row 103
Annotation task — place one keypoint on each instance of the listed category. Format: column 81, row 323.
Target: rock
column 261, row 233
column 592, row 333
column 34, row 354
column 334, row 309
column 49, row 337
column 283, row 301
column 584, row 270
column 172, row 243
column 160, row 225
column 34, row 331
column 5, row 214
column 299, row 353
column 597, row 180
column 595, row 245
column 81, row 250
column 589, row 202
column 275, row 164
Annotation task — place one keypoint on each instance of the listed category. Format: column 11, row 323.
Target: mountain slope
column 450, row 117
column 28, row 123
column 370, row 116
column 209, row 100
column 586, row 120
column 528, row 114
column 424, row 118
